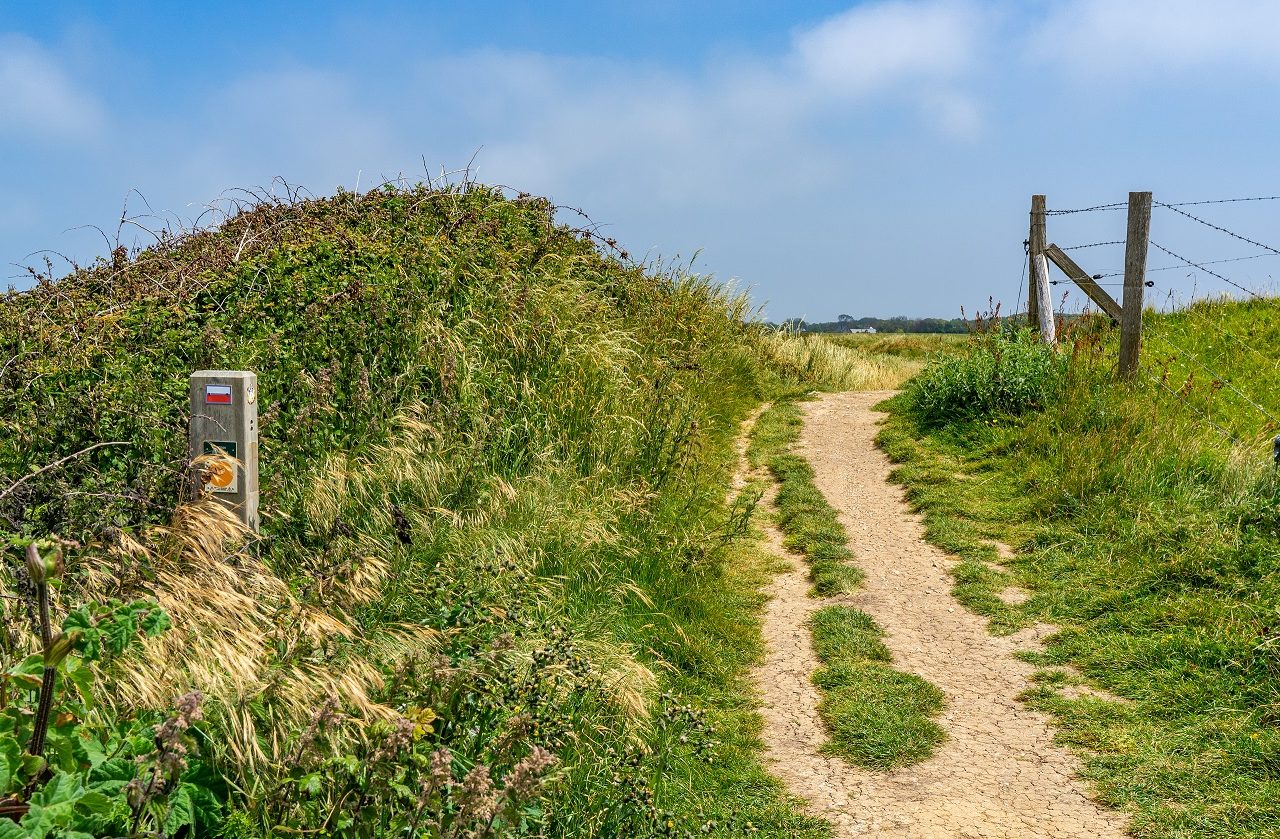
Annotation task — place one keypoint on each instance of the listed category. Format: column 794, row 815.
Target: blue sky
column 872, row 158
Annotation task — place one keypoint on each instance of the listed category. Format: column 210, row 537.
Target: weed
column 1001, row 372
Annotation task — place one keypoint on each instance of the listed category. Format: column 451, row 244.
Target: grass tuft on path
column 808, row 522
column 879, row 718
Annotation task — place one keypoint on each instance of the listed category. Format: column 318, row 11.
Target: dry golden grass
column 834, row 366
column 266, row 656
column 243, row 638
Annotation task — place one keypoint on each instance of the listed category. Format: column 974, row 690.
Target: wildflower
column 397, row 740
column 478, row 800
column 527, row 776
column 440, row 771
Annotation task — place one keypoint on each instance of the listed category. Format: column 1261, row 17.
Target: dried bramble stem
column 35, row 565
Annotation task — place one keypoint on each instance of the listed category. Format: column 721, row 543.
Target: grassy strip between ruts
column 807, row 520
column 1150, row 539
column 878, row 717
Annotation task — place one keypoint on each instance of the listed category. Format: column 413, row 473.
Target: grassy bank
column 1144, row 532
column 498, row 588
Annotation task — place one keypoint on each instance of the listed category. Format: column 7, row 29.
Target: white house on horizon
column 869, row 330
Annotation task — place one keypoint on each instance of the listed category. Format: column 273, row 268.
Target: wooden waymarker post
column 1135, row 277
column 224, row 432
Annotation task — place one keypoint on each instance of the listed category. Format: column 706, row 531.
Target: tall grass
column 831, row 364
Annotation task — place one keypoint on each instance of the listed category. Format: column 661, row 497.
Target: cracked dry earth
column 998, row 775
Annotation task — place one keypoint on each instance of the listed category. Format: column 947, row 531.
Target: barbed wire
column 1195, row 359
column 1230, row 435
column 1201, row 267
column 1212, row 262
column 1231, row 341
column 1219, row 228
column 1092, row 245
column 1172, row 268
column 1022, row 276
column 1098, row 208
column 1095, row 278
column 1224, row 201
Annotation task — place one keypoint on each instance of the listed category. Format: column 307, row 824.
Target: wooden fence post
column 1036, row 238
column 1135, row 277
column 1039, row 298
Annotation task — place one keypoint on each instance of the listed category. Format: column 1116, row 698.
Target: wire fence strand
column 1217, row 377
column 1200, row 266
column 1219, row 228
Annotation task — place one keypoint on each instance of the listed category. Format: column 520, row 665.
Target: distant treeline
column 844, row 323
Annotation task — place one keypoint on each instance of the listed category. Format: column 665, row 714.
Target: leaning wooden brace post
column 1039, row 299
column 1135, row 278
column 1081, row 278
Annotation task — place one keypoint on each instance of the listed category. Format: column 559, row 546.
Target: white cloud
column 731, row 135
column 875, row 45
column 37, row 98
column 1147, row 38
column 953, row 114
column 307, row 125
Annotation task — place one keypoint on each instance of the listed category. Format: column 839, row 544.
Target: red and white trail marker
column 217, row 394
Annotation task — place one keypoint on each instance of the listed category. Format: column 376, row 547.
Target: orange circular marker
column 220, row 474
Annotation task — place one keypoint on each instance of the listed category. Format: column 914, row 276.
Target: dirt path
column 998, row 775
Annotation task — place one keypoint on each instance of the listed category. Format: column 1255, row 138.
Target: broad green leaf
column 10, row 764
column 53, row 805
column 116, row 769
column 181, row 811
column 94, row 802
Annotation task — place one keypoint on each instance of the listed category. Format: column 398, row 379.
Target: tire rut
column 998, row 775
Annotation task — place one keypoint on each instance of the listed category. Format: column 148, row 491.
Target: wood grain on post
column 1081, row 278
column 1044, row 299
column 1035, row 245
column 1135, row 277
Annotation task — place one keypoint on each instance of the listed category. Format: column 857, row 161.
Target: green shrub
column 1003, row 372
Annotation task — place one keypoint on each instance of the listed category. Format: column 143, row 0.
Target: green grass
column 809, row 524
column 494, row 461
column 878, row 718
column 1150, row 538
column 842, row 635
